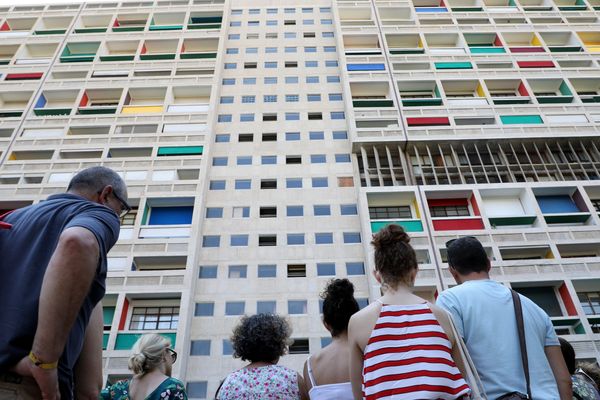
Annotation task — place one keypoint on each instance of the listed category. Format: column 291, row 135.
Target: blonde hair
column 148, row 353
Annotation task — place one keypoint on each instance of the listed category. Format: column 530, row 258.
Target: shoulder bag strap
column 522, row 343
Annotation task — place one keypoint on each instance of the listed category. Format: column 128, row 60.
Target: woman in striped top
column 402, row 347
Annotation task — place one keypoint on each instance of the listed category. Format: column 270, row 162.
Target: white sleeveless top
column 338, row 391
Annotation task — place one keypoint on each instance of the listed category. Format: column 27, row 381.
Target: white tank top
column 338, row 391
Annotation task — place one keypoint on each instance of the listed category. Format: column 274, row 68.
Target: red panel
column 497, row 42
column 116, row 23
column 535, row 64
column 447, row 202
column 567, row 300
column 124, row 314
column 523, row 90
column 457, row 224
column 84, row 100
column 31, row 75
column 527, row 50
column 183, row 47
column 475, row 206
column 144, row 49
column 5, row 27
column 427, row 121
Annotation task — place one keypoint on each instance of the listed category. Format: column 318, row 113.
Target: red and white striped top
column 408, row 356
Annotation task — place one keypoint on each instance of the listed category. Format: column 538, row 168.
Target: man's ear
column 104, row 193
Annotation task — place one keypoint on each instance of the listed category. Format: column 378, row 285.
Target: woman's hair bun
column 339, row 289
column 390, row 235
column 136, row 363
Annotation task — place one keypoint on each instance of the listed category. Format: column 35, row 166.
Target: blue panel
column 557, row 204
column 365, row 67
column 171, row 215
column 41, row 102
column 430, row 9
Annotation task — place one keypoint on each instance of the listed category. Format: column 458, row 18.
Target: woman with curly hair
column 261, row 340
column 401, row 346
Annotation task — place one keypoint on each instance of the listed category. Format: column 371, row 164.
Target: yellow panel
column 480, row 91
column 12, row 157
column 536, row 41
column 141, row 109
column 549, row 254
column 593, row 49
column 416, row 206
column 420, row 42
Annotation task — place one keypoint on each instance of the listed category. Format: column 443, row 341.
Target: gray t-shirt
column 25, row 251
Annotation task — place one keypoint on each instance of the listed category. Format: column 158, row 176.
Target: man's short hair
column 467, row 255
column 94, row 179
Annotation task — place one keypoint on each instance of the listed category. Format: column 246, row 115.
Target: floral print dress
column 273, row 382
column 169, row 389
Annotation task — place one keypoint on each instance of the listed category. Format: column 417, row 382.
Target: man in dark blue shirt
column 52, row 278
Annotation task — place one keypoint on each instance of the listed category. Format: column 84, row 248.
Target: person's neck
column 258, row 364
column 473, row 276
column 340, row 338
column 399, row 294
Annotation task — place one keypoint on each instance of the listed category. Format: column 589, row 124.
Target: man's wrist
column 42, row 364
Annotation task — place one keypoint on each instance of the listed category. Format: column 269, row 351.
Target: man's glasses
column 125, row 208
column 449, row 242
column 173, row 354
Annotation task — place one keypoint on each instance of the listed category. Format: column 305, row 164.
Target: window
column 289, row 10
column 300, row 346
column 449, row 211
column 237, row 271
column 270, row 80
column 292, row 116
column 268, row 212
column 228, row 81
column 208, row 272
column 249, row 81
column 245, row 137
column 355, row 268
column 233, row 36
column 267, row 240
column 291, row 79
column 293, row 160
column 154, row 318
column 226, row 100
column 320, row 182
column 224, row 118
column 227, row 347
column 234, row 308
column 290, row 22
column 269, row 117
column 351, row 237
column 235, row 23
column 295, row 239
column 315, row 116
column 238, row 240
column 308, row 22
column 272, row 10
column 295, row 211
column 232, row 51
column 268, row 183
column 340, row 135
column 236, row 12
column 252, row 50
column 291, row 136
column 329, row 49
column 204, row 309
column 244, row 160
column 293, row 183
column 297, row 307
column 316, row 135
column 312, row 79
column 271, row 35
column 240, row 212
column 326, row 269
column 311, row 64
column 269, row 137
column 268, row 160
column 271, row 22
column 211, row 241
column 348, row 209
column 307, row 10
column 248, row 99
column 222, row 138
column 270, row 50
column 390, row 212
column 338, row 115
column 342, row 158
column 309, row 35
column 313, row 97
column 266, row 307
column 290, row 35
column 335, row 97
column 290, row 49
column 310, row 49
column 197, row 390
column 296, row 271
column 330, row 63
column 214, row 212
column 596, row 204
column 318, row 158
column 590, row 302
column 324, row 238
column 270, row 98
column 219, row 161
column 254, row 11
column 252, row 23
column 243, row 184
column 200, row 348
column 267, row 271
column 270, row 64
column 321, row 210
column 230, row 65
column 291, row 64
column 333, row 79
column 325, row 9
column 292, row 98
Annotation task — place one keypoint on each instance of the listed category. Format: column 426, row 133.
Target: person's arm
column 302, row 388
column 66, row 283
column 307, row 382
column 356, row 359
column 560, row 371
column 88, row 370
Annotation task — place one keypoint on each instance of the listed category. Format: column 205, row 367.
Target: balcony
column 591, row 41
column 484, row 43
column 507, row 91
column 356, row 16
column 562, row 42
column 361, row 45
column 189, row 99
column 13, row 103
column 551, row 91
column 52, row 25
column 159, row 49
column 16, row 27
column 167, row 218
column 406, row 43
column 537, row 5
column 588, row 89
column 523, row 42
column 399, row 208
column 419, row 93
column 571, row 5
column 371, row 95
column 508, row 208
column 36, row 53
column 396, row 15
column 562, row 206
column 167, row 22
column 99, row 101
column 55, row 102
column 205, row 20
column 465, row 5
column 464, row 93
column 199, row 48
column 453, row 211
column 93, row 24
column 430, row 6
column 122, row 50
column 79, row 52
column 144, row 101
column 130, row 22
column 500, row 6
column 444, row 44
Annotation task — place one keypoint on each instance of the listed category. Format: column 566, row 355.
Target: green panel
column 579, row 329
column 185, row 56
column 572, row 8
column 597, row 8
column 50, row 32
column 567, row 218
column 128, row 28
column 90, row 30
column 145, row 215
column 6, row 114
column 166, row 27
column 421, row 102
column 4, row 62
column 157, row 56
column 204, row 26
column 373, row 103
column 180, row 151
column 125, row 341
column 520, row 119
column 205, row 20
column 565, row 49
column 466, row 9
column 99, row 110
column 78, row 58
column 508, row 221
column 554, row 99
column 487, row 50
column 537, row 8
column 52, row 111
column 409, row 226
column 408, row 51
column 109, row 314
column 118, row 58
column 564, row 89
column 511, row 101
column 105, row 341
column 453, row 65
column 592, row 99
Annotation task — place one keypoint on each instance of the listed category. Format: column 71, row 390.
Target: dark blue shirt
column 25, row 251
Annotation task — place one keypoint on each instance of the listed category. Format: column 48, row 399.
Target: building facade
column 264, row 142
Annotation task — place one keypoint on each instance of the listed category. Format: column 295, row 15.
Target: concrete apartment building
column 264, row 141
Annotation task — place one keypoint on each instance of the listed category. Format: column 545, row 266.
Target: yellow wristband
column 39, row 363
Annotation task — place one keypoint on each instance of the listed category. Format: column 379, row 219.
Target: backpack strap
column 522, row 342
